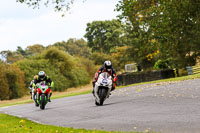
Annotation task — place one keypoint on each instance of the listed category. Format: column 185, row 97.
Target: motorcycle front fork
column 48, row 96
column 33, row 94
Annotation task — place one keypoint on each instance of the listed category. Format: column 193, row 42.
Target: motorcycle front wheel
column 42, row 102
column 102, row 95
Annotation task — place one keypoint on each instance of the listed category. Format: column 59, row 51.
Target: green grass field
column 11, row 124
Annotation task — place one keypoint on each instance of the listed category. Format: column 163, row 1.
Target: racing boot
column 93, row 84
column 49, row 96
column 33, row 94
column 93, row 91
column 112, row 89
column 108, row 95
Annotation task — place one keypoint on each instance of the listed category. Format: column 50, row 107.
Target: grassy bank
column 12, row 124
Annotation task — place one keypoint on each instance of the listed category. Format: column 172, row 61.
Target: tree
column 21, row 51
column 4, row 89
column 75, row 47
column 99, row 58
column 59, row 5
column 120, row 57
column 15, row 79
column 104, row 36
column 34, row 49
column 11, row 57
column 65, row 70
column 11, row 82
column 78, row 47
column 172, row 27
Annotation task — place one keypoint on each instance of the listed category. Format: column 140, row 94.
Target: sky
column 23, row 26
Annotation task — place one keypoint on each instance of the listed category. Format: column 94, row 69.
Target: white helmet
column 41, row 75
column 108, row 65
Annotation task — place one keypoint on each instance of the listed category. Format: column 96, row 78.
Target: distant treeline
column 68, row 64
column 65, row 70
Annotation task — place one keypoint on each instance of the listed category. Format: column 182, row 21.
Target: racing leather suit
column 47, row 80
column 112, row 73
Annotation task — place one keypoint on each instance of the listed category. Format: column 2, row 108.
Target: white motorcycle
column 102, row 88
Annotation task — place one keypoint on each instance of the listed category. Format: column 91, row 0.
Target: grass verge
column 12, row 124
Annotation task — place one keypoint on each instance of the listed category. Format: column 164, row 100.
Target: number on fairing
column 104, row 81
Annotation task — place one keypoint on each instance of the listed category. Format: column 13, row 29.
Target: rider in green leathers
column 43, row 77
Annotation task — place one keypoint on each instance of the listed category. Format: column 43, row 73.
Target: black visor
column 108, row 67
column 41, row 76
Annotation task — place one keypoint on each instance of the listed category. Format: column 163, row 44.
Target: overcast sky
column 20, row 25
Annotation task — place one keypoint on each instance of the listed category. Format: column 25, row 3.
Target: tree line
column 66, row 63
column 69, row 64
column 165, row 33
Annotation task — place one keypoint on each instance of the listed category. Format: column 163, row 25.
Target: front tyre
column 43, row 102
column 102, row 95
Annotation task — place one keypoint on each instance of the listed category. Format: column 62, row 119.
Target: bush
column 87, row 64
column 99, row 58
column 15, row 79
column 12, row 82
column 182, row 72
column 161, row 64
column 65, row 70
column 31, row 67
column 4, row 89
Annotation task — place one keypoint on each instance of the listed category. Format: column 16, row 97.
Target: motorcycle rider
column 43, row 77
column 107, row 67
column 31, row 88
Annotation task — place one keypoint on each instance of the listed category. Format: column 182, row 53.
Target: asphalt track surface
column 172, row 107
